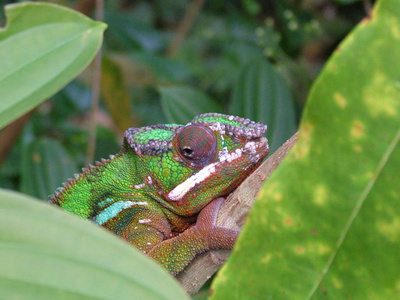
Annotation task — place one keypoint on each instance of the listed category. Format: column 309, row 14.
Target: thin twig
column 184, row 27
column 95, row 92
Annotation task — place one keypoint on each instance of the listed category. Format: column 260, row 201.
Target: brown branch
column 95, row 92
column 184, row 27
column 232, row 214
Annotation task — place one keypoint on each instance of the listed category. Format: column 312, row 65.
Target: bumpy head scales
column 152, row 140
column 233, row 125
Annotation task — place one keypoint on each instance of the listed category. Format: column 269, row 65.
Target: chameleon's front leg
column 176, row 253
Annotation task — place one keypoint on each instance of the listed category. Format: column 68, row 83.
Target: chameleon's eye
column 196, row 144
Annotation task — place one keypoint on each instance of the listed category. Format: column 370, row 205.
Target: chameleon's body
column 157, row 192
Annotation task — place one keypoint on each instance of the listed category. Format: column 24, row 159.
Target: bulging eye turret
column 196, row 145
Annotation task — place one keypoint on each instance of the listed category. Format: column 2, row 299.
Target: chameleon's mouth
column 253, row 150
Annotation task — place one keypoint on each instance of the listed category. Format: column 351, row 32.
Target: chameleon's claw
column 217, row 237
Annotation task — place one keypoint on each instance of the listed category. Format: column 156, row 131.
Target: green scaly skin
column 163, row 190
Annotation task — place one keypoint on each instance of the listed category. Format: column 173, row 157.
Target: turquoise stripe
column 114, row 209
column 103, row 203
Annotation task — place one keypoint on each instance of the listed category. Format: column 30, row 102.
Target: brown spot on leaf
column 278, row 197
column 340, row 100
column 288, row 222
column 357, row 129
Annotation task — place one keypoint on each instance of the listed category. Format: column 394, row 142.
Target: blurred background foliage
column 169, row 60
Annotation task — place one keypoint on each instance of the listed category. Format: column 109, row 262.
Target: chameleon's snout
column 257, row 149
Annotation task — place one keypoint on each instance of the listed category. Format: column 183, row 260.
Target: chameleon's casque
column 162, row 191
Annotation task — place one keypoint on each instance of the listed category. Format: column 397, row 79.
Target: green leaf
column 181, row 103
column 326, row 224
column 45, row 164
column 46, row 253
column 42, row 48
column 262, row 95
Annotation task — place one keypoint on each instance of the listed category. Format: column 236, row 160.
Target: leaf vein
column 363, row 196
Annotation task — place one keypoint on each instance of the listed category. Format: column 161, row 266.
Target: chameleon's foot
column 216, row 237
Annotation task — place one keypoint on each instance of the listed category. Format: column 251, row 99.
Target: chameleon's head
column 193, row 164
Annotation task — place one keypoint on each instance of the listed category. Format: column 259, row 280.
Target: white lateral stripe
column 182, row 189
column 139, row 186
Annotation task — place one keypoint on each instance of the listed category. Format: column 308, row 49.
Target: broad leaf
column 262, row 95
column 327, row 223
column 45, row 165
column 181, row 103
column 46, row 253
column 42, row 48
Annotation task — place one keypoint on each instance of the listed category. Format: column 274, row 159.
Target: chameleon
column 162, row 192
